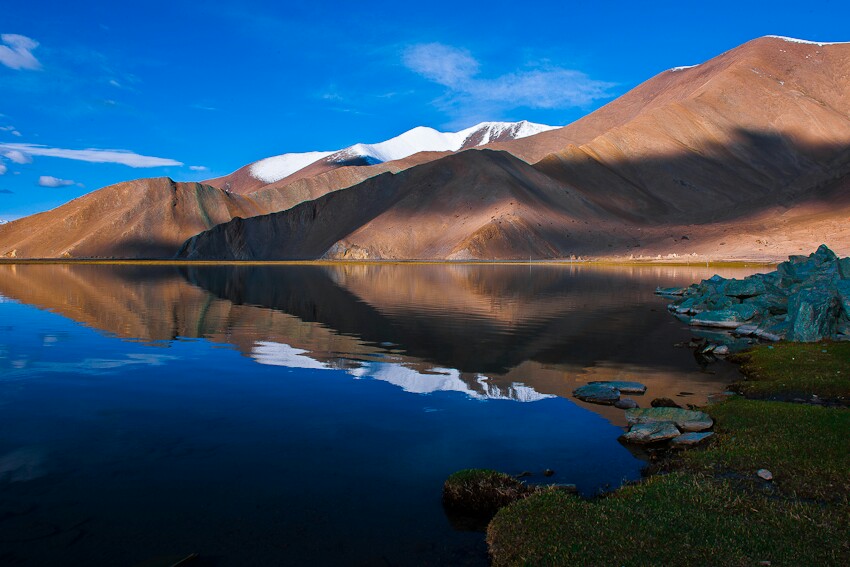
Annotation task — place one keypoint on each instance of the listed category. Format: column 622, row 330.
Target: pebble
column 625, row 403
column 765, row 474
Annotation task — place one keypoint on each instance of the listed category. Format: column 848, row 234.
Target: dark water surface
column 308, row 415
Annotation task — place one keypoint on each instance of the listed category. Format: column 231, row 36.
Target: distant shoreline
column 736, row 263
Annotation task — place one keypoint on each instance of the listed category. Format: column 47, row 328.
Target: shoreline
column 774, row 471
column 726, row 263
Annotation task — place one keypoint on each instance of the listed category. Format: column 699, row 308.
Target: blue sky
column 194, row 90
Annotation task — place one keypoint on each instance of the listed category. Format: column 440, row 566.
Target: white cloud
column 91, row 155
column 199, row 168
column 443, row 64
column 3, row 169
column 17, row 52
column 458, row 71
column 50, row 181
column 14, row 155
column 11, row 130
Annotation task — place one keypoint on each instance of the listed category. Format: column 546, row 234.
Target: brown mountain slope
column 796, row 69
column 746, row 149
column 475, row 204
column 146, row 218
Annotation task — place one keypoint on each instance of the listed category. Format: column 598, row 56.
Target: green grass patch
column 675, row 519
column 787, row 370
column 806, row 447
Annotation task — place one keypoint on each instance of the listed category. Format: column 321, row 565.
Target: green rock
column 686, row 420
column 650, row 432
column 727, row 318
column 844, row 268
column 748, row 287
column 769, row 303
column 623, row 386
column 812, row 315
column 597, row 394
column 716, row 302
column 843, row 289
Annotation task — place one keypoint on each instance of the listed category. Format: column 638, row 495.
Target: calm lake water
column 308, row 415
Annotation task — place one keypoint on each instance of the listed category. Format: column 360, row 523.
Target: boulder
column 597, row 394
column 721, row 350
column 812, row 315
column 844, row 268
column 686, row 420
column 650, row 432
column 690, row 439
column 842, row 287
column 623, row 386
column 770, row 303
column 625, row 403
column 806, row 299
column 748, row 287
column 731, row 318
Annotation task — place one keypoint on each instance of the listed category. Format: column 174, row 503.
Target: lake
column 308, row 414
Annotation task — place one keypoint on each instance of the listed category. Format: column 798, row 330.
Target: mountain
column 151, row 218
column 147, row 218
column 288, row 168
column 744, row 156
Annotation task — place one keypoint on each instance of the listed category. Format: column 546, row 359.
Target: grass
column 675, row 519
column 481, row 492
column 807, row 448
column 789, row 370
column 712, row 509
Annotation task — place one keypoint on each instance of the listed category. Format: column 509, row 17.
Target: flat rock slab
column 651, row 432
column 597, row 394
column 686, row 420
column 625, row 403
column 625, row 387
column 690, row 439
column 731, row 318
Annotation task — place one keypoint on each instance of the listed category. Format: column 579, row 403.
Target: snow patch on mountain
column 420, row 139
column 807, row 42
column 683, row 67
column 276, row 168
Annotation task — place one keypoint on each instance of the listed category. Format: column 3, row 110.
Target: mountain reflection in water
column 505, row 331
column 309, row 414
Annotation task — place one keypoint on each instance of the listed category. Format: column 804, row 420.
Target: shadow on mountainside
column 706, row 184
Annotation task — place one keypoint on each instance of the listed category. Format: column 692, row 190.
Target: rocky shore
column 806, row 299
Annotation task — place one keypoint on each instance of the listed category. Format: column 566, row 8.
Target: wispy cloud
column 91, row 155
column 544, row 87
column 443, row 64
column 3, row 169
column 50, row 181
column 11, row 130
column 16, row 52
column 14, row 155
column 199, row 168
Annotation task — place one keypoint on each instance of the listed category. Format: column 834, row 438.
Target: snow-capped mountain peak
column 419, row 139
